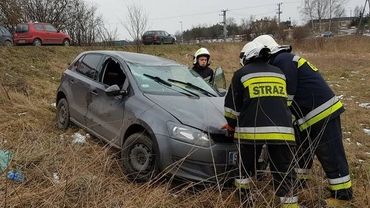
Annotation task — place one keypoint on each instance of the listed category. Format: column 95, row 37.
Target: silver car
column 162, row 116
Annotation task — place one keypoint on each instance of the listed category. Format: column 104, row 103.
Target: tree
column 10, row 12
column 321, row 9
column 137, row 23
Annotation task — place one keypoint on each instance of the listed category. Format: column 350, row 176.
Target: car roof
column 155, row 31
column 137, row 58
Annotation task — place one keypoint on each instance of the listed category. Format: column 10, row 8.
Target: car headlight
column 189, row 134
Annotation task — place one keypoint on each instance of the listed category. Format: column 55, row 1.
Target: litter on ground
column 367, row 131
column 78, row 138
column 364, row 105
column 5, row 157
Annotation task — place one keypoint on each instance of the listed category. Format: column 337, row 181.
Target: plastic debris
column 367, row 131
column 358, row 144
column 364, row 105
column 56, row 178
column 348, row 140
column 5, row 157
column 16, row 175
column 54, row 105
column 22, row 114
column 361, row 161
column 78, row 138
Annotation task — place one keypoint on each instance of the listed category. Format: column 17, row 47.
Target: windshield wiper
column 203, row 91
column 169, row 85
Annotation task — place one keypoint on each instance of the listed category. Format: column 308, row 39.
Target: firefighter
column 317, row 111
column 256, row 106
column 201, row 64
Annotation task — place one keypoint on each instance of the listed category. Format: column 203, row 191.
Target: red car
column 39, row 34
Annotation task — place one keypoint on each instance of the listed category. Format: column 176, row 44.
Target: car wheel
column 66, row 43
column 139, row 157
column 63, row 115
column 37, row 42
column 8, row 43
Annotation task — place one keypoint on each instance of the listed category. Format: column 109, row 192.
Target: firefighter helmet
column 253, row 50
column 201, row 52
column 269, row 41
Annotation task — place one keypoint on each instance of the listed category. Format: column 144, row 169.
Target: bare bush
column 137, row 23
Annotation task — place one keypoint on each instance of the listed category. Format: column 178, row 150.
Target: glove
column 228, row 127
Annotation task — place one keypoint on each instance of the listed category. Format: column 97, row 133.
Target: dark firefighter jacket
column 206, row 73
column 310, row 97
column 256, row 105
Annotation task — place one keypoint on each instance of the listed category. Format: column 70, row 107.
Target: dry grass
column 90, row 175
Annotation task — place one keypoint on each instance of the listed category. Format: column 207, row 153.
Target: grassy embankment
column 90, row 175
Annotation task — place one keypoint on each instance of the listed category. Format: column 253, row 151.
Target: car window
column 50, row 28
column 38, row 27
column 88, row 66
column 112, row 73
column 21, row 28
column 1, row 31
column 149, row 33
column 175, row 72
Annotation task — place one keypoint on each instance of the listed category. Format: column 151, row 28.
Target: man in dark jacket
column 201, row 64
column 256, row 106
column 317, row 111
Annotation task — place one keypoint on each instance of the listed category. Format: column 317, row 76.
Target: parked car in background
column 162, row 116
column 327, row 34
column 39, row 34
column 157, row 37
column 5, row 37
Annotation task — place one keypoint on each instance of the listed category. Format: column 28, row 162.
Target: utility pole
column 224, row 22
column 279, row 12
column 360, row 29
column 182, row 33
column 330, row 16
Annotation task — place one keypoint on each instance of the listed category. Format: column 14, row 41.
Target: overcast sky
column 167, row 14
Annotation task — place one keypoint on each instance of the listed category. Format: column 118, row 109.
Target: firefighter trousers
column 324, row 140
column 281, row 165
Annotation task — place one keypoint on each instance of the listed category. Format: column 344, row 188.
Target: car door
column 85, row 75
column 106, row 113
column 167, row 37
column 51, row 34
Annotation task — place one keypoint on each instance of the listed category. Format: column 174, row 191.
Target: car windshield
column 185, row 80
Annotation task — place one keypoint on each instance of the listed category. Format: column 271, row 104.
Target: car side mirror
column 219, row 81
column 114, row 90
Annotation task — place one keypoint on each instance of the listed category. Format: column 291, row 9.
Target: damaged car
column 163, row 117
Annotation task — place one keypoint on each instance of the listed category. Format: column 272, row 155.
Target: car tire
column 66, row 42
column 139, row 157
column 63, row 114
column 37, row 42
column 8, row 43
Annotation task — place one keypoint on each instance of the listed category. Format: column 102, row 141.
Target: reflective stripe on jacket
column 257, row 99
column 309, row 96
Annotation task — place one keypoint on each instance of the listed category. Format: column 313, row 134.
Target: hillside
column 62, row 174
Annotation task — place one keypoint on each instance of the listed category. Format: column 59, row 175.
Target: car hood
column 205, row 113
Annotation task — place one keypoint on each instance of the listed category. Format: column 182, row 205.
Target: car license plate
column 22, row 41
column 233, row 158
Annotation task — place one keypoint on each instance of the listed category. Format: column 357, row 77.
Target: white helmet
column 201, row 52
column 252, row 50
column 272, row 44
